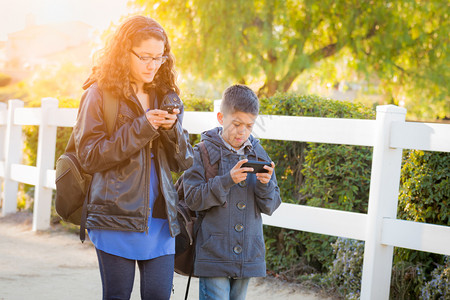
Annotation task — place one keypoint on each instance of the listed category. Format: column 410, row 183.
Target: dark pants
column 118, row 276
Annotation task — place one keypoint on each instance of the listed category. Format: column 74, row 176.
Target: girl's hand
column 265, row 177
column 161, row 118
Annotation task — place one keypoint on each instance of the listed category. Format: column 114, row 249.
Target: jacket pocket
column 255, row 250
column 97, row 209
column 123, row 118
column 213, row 248
column 125, row 115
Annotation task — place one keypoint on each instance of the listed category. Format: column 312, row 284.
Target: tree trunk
column 270, row 87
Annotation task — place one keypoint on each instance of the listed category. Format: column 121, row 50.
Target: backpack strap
column 110, row 110
column 210, row 170
column 84, row 216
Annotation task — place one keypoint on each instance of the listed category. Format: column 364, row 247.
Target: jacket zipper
column 177, row 138
column 147, row 202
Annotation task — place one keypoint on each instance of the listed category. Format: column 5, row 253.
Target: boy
column 230, row 245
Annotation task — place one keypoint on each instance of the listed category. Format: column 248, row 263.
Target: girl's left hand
column 265, row 177
column 162, row 119
column 170, row 119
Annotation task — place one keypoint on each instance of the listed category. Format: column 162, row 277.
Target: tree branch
column 325, row 52
column 253, row 50
column 332, row 49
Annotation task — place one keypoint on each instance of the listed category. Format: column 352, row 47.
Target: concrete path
column 54, row 265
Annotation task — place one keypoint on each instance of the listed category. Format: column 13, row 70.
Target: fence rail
column 379, row 228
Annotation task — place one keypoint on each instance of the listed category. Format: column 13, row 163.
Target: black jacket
column 120, row 163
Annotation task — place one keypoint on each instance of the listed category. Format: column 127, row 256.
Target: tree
column 404, row 42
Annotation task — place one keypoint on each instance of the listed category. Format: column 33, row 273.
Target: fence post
column 3, row 114
column 383, row 201
column 13, row 155
column 45, row 160
column 217, row 105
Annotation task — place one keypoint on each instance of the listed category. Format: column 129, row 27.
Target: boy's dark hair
column 239, row 97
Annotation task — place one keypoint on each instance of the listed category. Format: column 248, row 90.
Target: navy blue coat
column 230, row 241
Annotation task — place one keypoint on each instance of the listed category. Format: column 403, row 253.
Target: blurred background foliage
column 374, row 52
column 396, row 49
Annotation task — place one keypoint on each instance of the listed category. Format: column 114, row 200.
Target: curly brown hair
column 112, row 71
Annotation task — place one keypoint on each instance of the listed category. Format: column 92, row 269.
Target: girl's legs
column 223, row 288
column 117, row 275
column 157, row 277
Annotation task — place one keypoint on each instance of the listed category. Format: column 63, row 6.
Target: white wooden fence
column 379, row 228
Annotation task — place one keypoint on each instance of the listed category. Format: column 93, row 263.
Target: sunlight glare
column 52, row 11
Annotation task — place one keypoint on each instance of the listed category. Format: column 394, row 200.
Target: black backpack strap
column 84, row 216
column 210, row 172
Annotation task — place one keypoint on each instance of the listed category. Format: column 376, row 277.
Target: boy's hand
column 265, row 177
column 239, row 174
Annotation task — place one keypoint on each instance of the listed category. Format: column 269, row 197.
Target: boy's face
column 237, row 127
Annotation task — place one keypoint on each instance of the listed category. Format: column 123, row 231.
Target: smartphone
column 169, row 107
column 258, row 166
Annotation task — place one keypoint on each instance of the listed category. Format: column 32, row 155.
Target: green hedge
column 424, row 197
column 321, row 175
column 425, row 187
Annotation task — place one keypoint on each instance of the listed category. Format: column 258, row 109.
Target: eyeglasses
column 148, row 59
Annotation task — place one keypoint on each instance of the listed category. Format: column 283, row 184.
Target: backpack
column 72, row 183
column 189, row 222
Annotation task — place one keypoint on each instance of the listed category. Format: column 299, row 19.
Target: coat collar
column 215, row 145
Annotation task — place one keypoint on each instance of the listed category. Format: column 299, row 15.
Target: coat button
column 238, row 227
column 243, row 183
column 237, row 249
column 241, row 205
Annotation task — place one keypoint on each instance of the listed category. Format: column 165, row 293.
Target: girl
column 132, row 201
